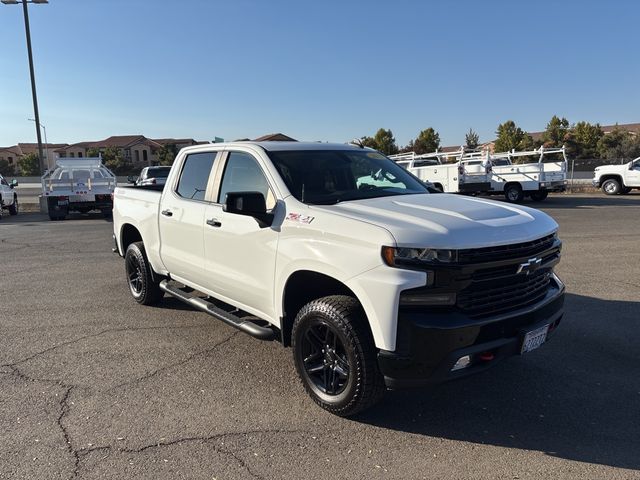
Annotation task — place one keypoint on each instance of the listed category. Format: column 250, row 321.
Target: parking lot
column 93, row 385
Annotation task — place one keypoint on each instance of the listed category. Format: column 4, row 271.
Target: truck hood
column 612, row 168
column 448, row 221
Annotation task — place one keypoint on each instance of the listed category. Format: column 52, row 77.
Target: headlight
column 415, row 257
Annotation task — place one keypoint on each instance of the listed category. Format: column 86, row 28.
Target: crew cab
column 617, row 179
column 341, row 254
column 8, row 196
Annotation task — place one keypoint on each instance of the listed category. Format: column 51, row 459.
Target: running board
column 247, row 326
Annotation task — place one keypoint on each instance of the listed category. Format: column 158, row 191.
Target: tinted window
column 243, row 174
column 195, row 175
column 158, row 172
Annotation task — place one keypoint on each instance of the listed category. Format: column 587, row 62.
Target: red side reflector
column 486, row 356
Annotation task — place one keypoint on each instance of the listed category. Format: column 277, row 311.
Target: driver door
column 633, row 175
column 240, row 256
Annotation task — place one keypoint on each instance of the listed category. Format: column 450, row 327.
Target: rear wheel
column 539, row 195
column 513, row 193
column 611, row 187
column 140, row 277
column 335, row 356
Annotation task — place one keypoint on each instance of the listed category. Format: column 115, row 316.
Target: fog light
column 463, row 362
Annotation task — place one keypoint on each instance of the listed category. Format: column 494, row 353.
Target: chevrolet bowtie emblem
column 532, row 265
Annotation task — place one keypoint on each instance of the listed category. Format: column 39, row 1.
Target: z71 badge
column 297, row 217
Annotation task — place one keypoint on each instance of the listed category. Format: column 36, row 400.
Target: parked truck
column 618, row 179
column 465, row 175
column 81, row 185
column 341, row 254
column 8, row 196
column 534, row 179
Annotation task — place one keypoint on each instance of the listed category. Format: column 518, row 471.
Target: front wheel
column 335, row 356
column 13, row 209
column 539, row 195
column 139, row 276
column 611, row 187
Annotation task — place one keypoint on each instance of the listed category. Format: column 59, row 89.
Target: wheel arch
column 128, row 235
column 612, row 176
column 304, row 286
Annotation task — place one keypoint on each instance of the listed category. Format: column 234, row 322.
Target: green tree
column 556, row 132
column 167, row 154
column 510, row 136
column 472, row 139
column 5, row 168
column 383, row 141
column 93, row 152
column 29, row 165
column 582, row 140
column 618, row 143
column 427, row 141
column 114, row 161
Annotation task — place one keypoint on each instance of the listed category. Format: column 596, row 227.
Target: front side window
column 332, row 176
column 243, row 174
column 195, row 175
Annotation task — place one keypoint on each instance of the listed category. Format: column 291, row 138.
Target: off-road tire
column 344, row 316
column 539, row 195
column 139, row 276
column 513, row 193
column 611, row 186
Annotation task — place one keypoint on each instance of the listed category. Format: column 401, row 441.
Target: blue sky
column 325, row 70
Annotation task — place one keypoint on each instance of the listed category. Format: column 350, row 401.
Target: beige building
column 139, row 150
column 12, row 154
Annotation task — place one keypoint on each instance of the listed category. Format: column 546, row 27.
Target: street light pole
column 46, row 143
column 33, row 77
column 33, row 83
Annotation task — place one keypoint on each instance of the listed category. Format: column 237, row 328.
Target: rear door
column 240, row 256
column 181, row 218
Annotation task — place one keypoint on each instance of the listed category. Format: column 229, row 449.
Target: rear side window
column 195, row 175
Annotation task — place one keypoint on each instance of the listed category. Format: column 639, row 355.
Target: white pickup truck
column 341, row 254
column 470, row 175
column 519, row 180
column 8, row 196
column 618, row 179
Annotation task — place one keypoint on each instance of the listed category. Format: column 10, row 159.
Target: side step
column 247, row 326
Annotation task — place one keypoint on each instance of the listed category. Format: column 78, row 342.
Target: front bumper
column 429, row 344
column 596, row 183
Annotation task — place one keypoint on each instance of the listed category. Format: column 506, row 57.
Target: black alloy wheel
column 325, row 359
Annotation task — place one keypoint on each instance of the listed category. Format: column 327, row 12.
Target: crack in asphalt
column 155, row 372
column 201, row 439
column 94, row 335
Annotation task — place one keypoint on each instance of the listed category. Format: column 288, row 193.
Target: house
column 12, row 154
column 275, row 137
column 139, row 150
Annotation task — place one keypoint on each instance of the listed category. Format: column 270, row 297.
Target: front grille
column 508, row 293
column 505, row 252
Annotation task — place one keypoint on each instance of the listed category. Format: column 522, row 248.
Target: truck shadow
column 577, row 398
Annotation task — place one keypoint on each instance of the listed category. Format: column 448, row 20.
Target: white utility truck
column 466, row 175
column 618, row 179
column 519, row 180
column 8, row 196
column 343, row 255
column 79, row 184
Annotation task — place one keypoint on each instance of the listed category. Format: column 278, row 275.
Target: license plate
column 62, row 203
column 534, row 339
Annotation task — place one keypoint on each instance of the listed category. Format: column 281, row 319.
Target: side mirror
column 14, row 183
column 250, row 204
column 632, row 166
column 131, row 179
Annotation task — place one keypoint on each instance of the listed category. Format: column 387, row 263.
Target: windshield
column 331, row 176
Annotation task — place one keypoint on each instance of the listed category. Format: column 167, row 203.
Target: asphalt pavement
column 93, row 385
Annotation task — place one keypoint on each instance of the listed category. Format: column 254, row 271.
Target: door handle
column 167, row 213
column 213, row 222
